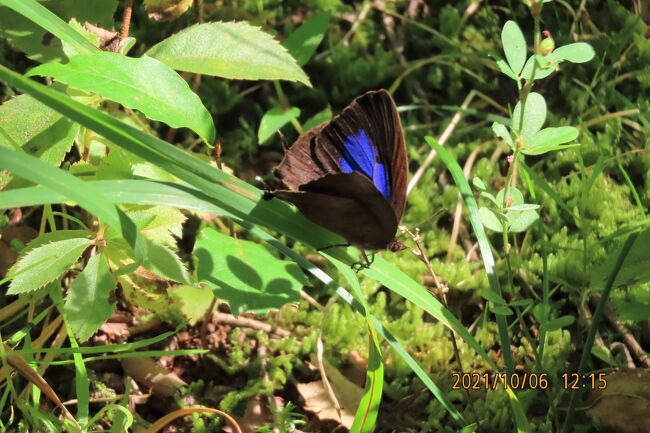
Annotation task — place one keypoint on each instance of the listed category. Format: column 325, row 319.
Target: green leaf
column 579, row 52
column 505, row 69
column 541, row 70
column 245, row 274
column 520, row 221
column 87, row 305
column 193, row 302
column 478, row 183
column 28, row 27
column 501, row 131
column 532, row 119
column 501, row 310
column 514, row 45
column 28, row 167
column 37, row 129
column 559, row 323
column 229, row 50
column 44, row 264
column 273, row 120
column 515, row 197
column 489, row 219
column 635, row 269
column 318, row 118
column 549, row 139
column 164, row 262
column 525, row 206
column 303, row 42
column 143, row 84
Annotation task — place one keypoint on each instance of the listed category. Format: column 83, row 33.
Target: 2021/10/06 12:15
column 526, row 380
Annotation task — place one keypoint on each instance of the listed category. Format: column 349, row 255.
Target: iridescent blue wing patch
column 361, row 155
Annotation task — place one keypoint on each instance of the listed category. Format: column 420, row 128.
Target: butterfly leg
column 365, row 263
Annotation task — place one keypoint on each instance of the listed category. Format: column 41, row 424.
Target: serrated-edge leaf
column 143, row 83
column 87, row 304
column 243, row 52
column 514, row 45
column 44, row 264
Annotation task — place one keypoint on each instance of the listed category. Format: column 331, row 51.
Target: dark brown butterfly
column 349, row 175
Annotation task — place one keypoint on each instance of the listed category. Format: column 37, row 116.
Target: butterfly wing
column 369, row 139
column 347, row 204
column 349, row 175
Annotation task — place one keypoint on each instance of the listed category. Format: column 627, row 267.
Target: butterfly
column 349, row 175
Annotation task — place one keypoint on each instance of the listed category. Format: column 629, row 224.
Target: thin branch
column 126, row 19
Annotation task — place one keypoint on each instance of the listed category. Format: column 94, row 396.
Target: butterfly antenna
column 427, row 219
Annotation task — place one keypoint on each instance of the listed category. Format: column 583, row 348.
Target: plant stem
column 126, row 19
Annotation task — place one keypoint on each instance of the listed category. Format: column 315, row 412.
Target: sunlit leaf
column 579, row 52
column 44, row 264
column 87, row 304
column 303, row 42
column 550, row 139
column 229, row 50
column 246, row 274
column 142, row 83
column 514, row 45
column 533, row 117
column 273, row 120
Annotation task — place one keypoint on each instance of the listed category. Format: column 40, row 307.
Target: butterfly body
column 349, row 175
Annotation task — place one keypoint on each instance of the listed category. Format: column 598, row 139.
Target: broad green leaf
column 318, row 118
column 273, row 120
column 229, row 50
column 30, row 25
column 142, row 83
column 160, row 224
column 514, row 45
column 490, row 220
column 505, row 68
column 44, row 264
column 579, row 52
column 635, row 269
column 490, row 197
column 541, row 71
column 532, row 119
column 501, row 131
column 550, row 139
column 193, row 302
column 520, row 221
column 515, row 197
column 164, row 262
column 245, row 274
column 559, row 323
column 37, row 129
column 303, row 42
column 87, row 305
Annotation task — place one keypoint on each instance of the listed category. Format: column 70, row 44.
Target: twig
column 629, row 339
column 245, row 322
column 442, row 296
column 626, row 352
column 442, row 140
column 126, row 19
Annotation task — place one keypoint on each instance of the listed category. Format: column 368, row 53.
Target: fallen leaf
column 318, row 401
column 623, row 406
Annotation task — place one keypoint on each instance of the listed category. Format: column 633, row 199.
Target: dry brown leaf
column 623, row 406
column 153, row 375
column 318, row 401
